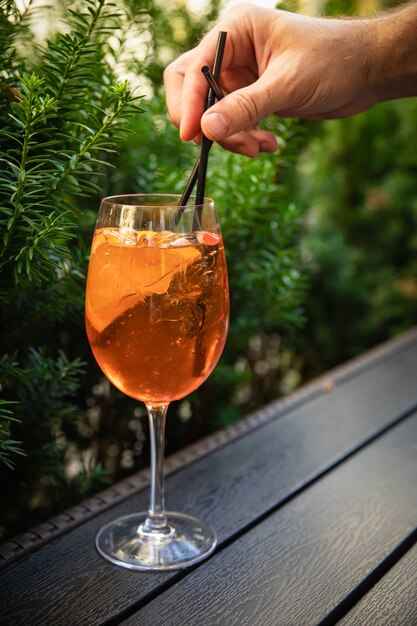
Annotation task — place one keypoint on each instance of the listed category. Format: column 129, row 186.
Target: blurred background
column 321, row 238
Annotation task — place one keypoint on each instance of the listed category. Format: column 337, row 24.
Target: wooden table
column 314, row 499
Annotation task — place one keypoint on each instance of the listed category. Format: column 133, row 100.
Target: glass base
column 184, row 541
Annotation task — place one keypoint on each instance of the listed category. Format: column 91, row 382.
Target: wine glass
column 157, row 315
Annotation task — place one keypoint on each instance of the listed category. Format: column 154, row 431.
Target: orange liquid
column 157, row 310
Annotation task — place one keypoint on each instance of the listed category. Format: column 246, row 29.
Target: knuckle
column 248, row 106
column 170, row 73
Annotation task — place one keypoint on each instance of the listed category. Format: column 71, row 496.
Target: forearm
column 395, row 69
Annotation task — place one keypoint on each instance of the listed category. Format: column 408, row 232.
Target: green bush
column 64, row 120
column 62, row 115
column 359, row 189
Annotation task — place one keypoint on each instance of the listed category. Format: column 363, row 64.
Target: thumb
column 239, row 110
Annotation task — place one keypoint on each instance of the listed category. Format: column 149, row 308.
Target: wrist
column 394, row 73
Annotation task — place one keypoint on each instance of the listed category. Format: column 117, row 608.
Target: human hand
column 274, row 62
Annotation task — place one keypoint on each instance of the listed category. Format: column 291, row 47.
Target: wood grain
column 393, row 600
column 300, row 563
column 66, row 582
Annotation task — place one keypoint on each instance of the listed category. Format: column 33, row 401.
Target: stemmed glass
column 157, row 315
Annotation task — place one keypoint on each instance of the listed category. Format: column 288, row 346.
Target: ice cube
column 143, row 239
column 125, row 236
column 186, row 315
column 185, row 240
column 124, row 274
column 167, row 239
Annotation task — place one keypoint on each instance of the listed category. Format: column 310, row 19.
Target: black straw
column 205, row 142
column 214, row 92
column 187, row 191
column 212, row 82
column 193, row 177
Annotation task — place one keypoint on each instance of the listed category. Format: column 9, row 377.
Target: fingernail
column 266, row 146
column 216, row 125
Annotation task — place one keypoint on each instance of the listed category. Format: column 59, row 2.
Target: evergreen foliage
column 360, row 246
column 62, row 116
column 64, row 120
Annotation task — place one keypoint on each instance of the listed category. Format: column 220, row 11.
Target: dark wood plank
column 393, row 600
column 302, row 561
column 230, row 489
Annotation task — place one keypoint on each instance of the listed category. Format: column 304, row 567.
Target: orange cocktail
column 157, row 309
column 157, row 315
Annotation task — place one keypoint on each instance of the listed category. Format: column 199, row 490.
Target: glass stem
column 156, row 521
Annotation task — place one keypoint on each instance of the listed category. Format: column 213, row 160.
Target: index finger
column 173, row 82
column 186, row 105
column 194, row 87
